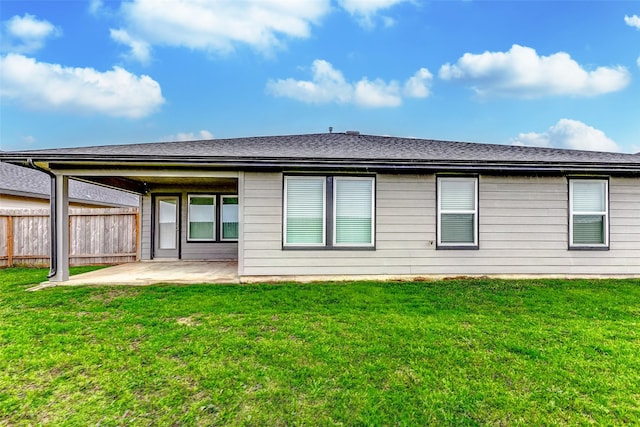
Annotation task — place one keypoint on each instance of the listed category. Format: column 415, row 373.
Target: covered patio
column 144, row 273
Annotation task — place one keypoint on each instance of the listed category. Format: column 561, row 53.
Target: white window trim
column 373, row 211
column 474, row 212
column 287, row 178
column 221, row 226
column 189, row 238
column 604, row 213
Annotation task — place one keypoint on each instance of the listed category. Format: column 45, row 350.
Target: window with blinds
column 329, row 211
column 589, row 213
column 353, row 211
column 229, row 218
column 202, row 217
column 305, row 210
column 457, row 211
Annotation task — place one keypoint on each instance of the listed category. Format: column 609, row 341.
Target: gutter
column 53, row 241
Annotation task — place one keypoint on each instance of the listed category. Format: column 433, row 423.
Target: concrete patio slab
column 145, row 273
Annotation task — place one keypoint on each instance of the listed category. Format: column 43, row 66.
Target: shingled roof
column 334, row 148
column 20, row 181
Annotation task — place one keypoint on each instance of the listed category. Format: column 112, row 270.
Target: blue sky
column 545, row 73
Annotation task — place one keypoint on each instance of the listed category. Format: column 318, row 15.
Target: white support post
column 62, row 229
column 240, row 224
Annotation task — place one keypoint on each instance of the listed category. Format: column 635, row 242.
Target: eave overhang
column 119, row 164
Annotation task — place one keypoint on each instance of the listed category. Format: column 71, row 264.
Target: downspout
column 53, row 242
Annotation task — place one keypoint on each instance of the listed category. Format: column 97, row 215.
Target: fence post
column 69, row 236
column 9, row 241
column 138, row 243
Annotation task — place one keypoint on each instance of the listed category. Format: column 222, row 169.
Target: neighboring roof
column 342, row 149
column 21, row 181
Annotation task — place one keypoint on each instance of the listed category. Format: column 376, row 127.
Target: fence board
column 4, row 250
column 96, row 236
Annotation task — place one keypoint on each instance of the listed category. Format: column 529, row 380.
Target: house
column 353, row 204
column 25, row 188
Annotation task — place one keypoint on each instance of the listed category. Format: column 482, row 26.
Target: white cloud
column 388, row 22
column 329, row 85
column 377, row 93
column 29, row 27
column 632, row 21
column 365, row 10
column 190, row 136
column 140, row 50
column 27, row 34
column 108, row 10
column 95, row 6
column 221, row 26
column 571, row 134
column 521, row 72
column 367, row 7
column 40, row 85
column 28, row 139
column 638, row 61
column 187, row 136
column 418, row 85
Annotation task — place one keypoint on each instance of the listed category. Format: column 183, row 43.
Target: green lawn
column 459, row 352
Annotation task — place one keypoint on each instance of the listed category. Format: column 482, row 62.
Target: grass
column 458, row 352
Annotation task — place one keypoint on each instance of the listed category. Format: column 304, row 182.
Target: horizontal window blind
column 456, row 195
column 167, row 220
column 305, row 207
column 353, row 211
column 457, row 228
column 588, row 196
column 588, row 229
column 229, row 218
column 167, row 211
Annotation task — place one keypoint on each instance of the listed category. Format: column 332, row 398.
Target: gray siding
column 189, row 250
column 145, row 229
column 523, row 230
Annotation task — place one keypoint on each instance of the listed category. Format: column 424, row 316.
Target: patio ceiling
column 144, row 184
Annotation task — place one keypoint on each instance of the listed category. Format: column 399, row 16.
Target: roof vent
column 353, row 132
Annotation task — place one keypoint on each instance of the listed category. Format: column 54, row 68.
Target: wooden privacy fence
column 96, row 236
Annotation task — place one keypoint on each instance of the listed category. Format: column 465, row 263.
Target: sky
column 562, row 74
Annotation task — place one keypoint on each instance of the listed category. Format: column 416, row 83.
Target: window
column 353, row 207
column 589, row 213
column 202, row 217
column 229, row 218
column 457, row 212
column 328, row 212
column 304, row 219
column 206, row 211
